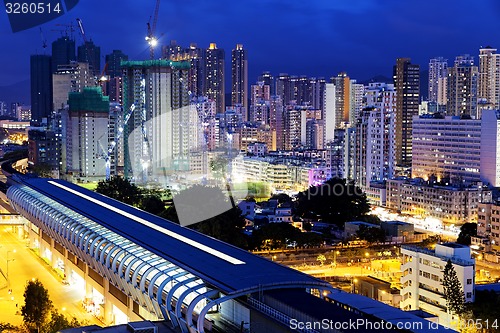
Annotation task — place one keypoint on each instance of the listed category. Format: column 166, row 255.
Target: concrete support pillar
column 108, row 306
column 67, row 268
column 88, row 288
column 53, row 259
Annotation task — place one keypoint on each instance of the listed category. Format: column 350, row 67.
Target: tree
column 371, row 234
column 282, row 198
column 275, row 236
column 42, row 170
column 37, row 305
column 467, row 230
column 218, row 166
column 321, row 258
column 152, row 204
column 336, row 201
column 59, row 322
column 486, row 306
column 453, row 292
column 120, row 189
column 205, row 205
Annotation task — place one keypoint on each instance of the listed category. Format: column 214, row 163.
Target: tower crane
column 90, row 53
column 151, row 38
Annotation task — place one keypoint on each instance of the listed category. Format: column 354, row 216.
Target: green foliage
column 59, row 322
column 431, row 241
column 486, row 306
column 152, row 204
column 282, row 198
column 37, row 305
column 373, row 219
column 9, row 328
column 336, row 201
column 218, row 166
column 453, row 292
column 227, row 226
column 467, row 230
column 371, row 234
column 120, row 189
column 42, row 170
column 274, row 236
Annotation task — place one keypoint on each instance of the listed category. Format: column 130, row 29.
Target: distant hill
column 17, row 92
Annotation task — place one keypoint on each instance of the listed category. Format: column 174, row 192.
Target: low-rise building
column 423, row 273
column 398, row 229
column 424, row 199
column 351, row 228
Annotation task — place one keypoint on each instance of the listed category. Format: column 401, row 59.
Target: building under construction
column 161, row 133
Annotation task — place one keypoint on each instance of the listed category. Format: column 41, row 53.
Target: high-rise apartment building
column 446, row 148
column 172, row 51
column 462, row 87
column 214, row 76
column 85, row 129
column 268, row 79
column 329, row 115
column 68, row 78
column 91, row 54
column 40, row 87
column 276, row 121
column 284, row 88
column 295, row 126
column 488, row 92
column 375, row 156
column 163, row 129
column 43, row 150
column 260, row 99
column 239, row 76
column 407, row 86
column 63, row 51
column 438, row 73
column 423, row 274
column 357, row 93
column 490, row 148
column 342, row 84
column 114, row 84
column 196, row 72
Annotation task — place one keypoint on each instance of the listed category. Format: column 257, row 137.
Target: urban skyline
column 338, row 30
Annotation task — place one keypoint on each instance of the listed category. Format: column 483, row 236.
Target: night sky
column 307, row 37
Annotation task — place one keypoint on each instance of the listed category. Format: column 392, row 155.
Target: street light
column 8, row 260
column 335, row 253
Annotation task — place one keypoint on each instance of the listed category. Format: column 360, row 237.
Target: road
column 24, row 265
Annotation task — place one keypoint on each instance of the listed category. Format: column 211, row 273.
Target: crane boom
column 151, row 38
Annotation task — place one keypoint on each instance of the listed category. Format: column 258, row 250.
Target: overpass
column 139, row 266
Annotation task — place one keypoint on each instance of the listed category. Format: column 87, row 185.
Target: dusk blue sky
column 313, row 37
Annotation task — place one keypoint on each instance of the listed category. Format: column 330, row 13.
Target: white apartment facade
column 490, row 147
column 423, row 272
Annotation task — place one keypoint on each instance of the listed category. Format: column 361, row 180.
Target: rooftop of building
column 386, row 312
column 359, row 223
column 455, row 260
column 156, row 63
column 396, row 223
column 221, row 265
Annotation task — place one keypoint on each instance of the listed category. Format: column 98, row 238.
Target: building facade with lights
column 450, row 204
column 163, row 129
column 447, row 148
column 422, row 280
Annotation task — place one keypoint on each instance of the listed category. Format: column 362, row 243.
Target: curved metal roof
column 226, row 267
